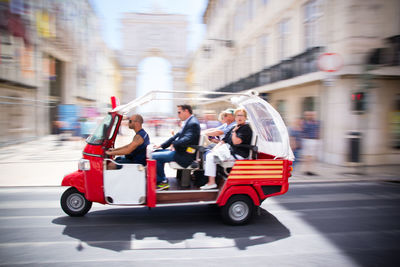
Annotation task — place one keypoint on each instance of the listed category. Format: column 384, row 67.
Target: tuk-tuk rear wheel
column 238, row 210
column 74, row 203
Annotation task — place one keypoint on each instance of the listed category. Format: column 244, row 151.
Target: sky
column 110, row 13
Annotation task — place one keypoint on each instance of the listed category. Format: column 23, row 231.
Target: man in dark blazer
column 181, row 152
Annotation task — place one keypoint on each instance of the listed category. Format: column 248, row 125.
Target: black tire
column 239, row 210
column 74, row 203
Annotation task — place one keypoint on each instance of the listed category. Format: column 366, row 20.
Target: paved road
column 314, row 224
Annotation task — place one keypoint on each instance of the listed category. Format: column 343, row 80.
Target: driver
column 135, row 151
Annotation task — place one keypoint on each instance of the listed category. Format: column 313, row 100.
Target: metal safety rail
column 150, row 96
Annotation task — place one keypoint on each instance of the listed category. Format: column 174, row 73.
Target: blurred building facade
column 51, row 54
column 275, row 48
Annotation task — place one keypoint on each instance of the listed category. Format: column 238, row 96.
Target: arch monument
column 152, row 35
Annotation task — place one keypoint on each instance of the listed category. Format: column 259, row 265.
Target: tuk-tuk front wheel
column 238, row 210
column 74, row 203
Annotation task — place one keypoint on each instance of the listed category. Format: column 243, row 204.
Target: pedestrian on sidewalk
column 310, row 142
column 295, row 133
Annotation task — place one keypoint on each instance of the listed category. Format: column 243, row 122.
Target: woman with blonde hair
column 240, row 134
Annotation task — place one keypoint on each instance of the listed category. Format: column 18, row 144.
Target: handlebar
column 104, row 152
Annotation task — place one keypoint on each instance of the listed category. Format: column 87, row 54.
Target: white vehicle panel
column 126, row 186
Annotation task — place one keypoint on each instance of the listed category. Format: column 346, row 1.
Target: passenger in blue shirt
column 134, row 152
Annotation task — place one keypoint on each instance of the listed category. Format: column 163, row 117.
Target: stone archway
column 147, row 35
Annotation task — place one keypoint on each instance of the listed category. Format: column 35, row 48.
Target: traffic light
column 358, row 101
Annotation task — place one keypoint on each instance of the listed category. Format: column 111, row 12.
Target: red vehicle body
column 247, row 184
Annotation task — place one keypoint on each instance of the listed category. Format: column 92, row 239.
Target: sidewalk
column 333, row 173
column 44, row 162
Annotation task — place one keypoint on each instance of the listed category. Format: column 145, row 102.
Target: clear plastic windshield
column 99, row 134
column 273, row 137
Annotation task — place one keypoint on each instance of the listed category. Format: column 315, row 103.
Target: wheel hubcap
column 239, row 211
column 75, row 202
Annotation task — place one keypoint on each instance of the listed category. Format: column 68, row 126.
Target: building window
column 248, row 61
column 236, row 21
column 226, row 72
column 263, row 51
column 240, row 71
column 221, row 4
column 228, row 31
column 239, row 17
column 281, row 108
column 235, row 67
column 6, row 48
column 283, row 39
column 312, row 16
column 250, row 9
column 15, row 115
column 395, row 123
column 232, row 70
column 308, row 104
column 252, row 59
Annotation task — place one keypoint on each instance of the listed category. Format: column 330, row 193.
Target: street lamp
column 207, row 49
column 226, row 43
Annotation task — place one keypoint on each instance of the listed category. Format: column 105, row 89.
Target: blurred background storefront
column 275, row 48
column 51, row 55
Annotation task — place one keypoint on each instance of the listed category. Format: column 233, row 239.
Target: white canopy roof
column 267, row 124
column 272, row 134
column 158, row 95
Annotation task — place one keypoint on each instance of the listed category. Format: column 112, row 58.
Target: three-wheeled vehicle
column 243, row 184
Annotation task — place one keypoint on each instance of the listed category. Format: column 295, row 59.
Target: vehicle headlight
column 84, row 165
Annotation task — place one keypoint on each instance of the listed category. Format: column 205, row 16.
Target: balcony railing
column 389, row 55
column 298, row 65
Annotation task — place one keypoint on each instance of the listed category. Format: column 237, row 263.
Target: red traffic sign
column 330, row 62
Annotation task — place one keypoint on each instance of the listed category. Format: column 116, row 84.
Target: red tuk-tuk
column 242, row 187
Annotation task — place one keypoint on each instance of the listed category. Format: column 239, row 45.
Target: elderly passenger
column 228, row 120
column 240, row 134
